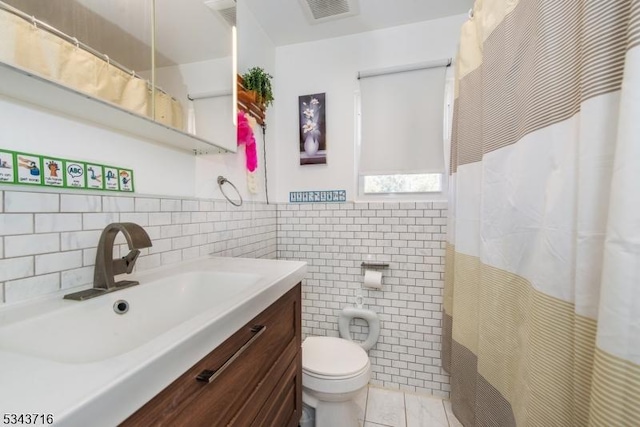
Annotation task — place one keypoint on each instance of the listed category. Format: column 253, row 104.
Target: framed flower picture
column 313, row 129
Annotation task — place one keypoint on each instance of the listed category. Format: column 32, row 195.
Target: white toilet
column 335, row 370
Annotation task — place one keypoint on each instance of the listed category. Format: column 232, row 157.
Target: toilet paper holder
column 372, row 272
column 373, row 265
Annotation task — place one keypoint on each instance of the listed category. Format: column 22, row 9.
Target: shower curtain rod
column 205, row 95
column 405, row 68
column 41, row 24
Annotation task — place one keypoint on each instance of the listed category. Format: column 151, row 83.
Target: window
column 402, row 183
column 400, row 125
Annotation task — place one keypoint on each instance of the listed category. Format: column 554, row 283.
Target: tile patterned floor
column 389, row 408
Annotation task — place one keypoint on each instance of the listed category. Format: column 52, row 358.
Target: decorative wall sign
column 313, row 129
column 35, row 169
column 95, row 176
column 53, row 172
column 29, row 169
column 75, row 174
column 329, row 196
column 7, row 167
column 111, row 179
column 126, row 179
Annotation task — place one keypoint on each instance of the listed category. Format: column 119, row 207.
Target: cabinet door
column 247, row 357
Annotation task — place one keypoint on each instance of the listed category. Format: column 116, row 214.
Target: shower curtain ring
column 106, row 58
column 34, row 22
column 76, row 42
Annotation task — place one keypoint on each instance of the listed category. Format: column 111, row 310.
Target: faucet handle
column 130, row 260
column 126, row 263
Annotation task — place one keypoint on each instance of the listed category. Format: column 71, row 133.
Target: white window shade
column 402, row 122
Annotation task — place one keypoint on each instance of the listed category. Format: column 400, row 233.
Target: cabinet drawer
column 284, row 407
column 251, row 354
column 264, row 394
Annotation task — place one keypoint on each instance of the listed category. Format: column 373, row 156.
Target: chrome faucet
column 106, row 267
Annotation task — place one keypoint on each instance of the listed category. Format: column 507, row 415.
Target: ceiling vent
column 225, row 8
column 318, row 11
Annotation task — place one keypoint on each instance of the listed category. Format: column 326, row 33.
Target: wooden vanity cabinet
column 259, row 385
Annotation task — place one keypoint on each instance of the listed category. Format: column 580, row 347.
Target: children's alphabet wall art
column 36, row 169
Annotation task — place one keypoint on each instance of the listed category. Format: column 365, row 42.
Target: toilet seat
column 350, row 313
column 335, row 386
column 333, row 378
column 333, row 357
column 334, row 365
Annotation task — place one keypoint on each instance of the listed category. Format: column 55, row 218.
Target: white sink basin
column 154, row 308
column 87, row 365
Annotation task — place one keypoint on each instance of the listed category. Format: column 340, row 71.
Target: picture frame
column 313, row 129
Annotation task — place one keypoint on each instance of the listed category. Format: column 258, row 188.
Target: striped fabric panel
column 465, row 296
column 634, row 25
column 445, row 352
column 468, row 138
column 449, row 260
column 539, row 64
column 453, row 156
column 474, row 400
column 559, row 359
column 533, row 349
column 603, row 57
column 583, row 361
column 447, row 306
column 616, row 392
column 464, row 369
column 505, row 300
column 492, row 408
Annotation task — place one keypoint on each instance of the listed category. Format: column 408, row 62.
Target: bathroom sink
column 152, row 309
column 86, row 364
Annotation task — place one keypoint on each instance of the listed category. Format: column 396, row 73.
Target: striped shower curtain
column 542, row 282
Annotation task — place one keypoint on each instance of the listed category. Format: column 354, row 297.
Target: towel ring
column 222, row 180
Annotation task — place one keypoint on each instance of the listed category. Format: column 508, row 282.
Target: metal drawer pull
column 208, row 375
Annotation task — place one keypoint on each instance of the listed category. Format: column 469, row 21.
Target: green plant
column 260, row 81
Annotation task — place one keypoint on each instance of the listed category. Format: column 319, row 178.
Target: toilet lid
column 334, row 357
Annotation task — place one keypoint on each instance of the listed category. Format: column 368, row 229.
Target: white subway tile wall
column 18, row 201
column 334, row 239
column 48, row 240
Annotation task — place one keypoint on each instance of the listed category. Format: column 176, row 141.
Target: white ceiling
column 286, row 23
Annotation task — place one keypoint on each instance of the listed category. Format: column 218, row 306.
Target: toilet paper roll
column 372, row 279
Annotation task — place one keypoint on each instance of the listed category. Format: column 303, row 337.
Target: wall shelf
column 248, row 104
column 27, row 87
